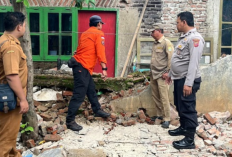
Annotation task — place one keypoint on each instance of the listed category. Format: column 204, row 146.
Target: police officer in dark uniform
column 185, row 72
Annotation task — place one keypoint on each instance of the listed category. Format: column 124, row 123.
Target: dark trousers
column 83, row 85
column 186, row 106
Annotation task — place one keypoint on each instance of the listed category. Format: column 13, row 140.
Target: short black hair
column 12, row 20
column 188, row 17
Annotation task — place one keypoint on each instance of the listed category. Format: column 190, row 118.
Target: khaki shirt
column 162, row 51
column 186, row 57
column 12, row 59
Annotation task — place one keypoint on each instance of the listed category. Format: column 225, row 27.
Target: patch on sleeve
column 169, row 48
column 179, row 46
column 102, row 37
column 196, row 42
column 103, row 42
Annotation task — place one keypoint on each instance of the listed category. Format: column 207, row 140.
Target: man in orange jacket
column 91, row 47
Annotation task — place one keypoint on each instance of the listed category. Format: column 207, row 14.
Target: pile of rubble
column 214, row 130
column 214, row 133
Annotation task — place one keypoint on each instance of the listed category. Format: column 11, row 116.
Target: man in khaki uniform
column 13, row 70
column 162, row 51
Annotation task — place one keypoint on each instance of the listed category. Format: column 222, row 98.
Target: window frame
column 174, row 39
column 40, row 33
column 73, row 33
column 4, row 10
column 220, row 31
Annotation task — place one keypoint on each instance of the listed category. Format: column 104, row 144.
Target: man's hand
column 164, row 76
column 104, row 74
column 168, row 80
column 24, row 106
column 187, row 90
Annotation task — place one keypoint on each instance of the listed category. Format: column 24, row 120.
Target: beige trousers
column 160, row 96
column 9, row 128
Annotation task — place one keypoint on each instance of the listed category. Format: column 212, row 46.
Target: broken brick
column 52, row 138
column 131, row 122
column 209, row 119
column 67, row 93
column 122, row 93
column 103, row 106
column 30, row 143
column 201, row 133
column 158, row 121
column 46, row 117
column 175, row 122
column 142, row 115
column 42, row 108
column 90, row 117
column 65, row 110
column 113, row 116
column 59, row 106
column 36, row 103
column 212, row 131
column 59, row 97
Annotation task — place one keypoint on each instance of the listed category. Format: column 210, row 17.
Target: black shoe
column 185, row 143
column 165, row 124
column 74, row 126
column 155, row 117
column 102, row 114
column 177, row 132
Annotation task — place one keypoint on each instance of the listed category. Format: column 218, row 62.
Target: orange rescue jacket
column 91, row 47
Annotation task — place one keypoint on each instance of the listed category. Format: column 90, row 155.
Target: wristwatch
column 104, row 69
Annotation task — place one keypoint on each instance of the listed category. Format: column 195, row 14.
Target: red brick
column 122, row 93
column 113, row 116
column 128, row 114
column 67, row 93
column 36, row 103
column 201, row 133
column 103, row 106
column 52, row 138
column 42, row 108
column 142, row 115
column 57, row 121
column 30, row 143
column 131, row 122
column 175, row 122
column 86, row 113
column 65, row 110
column 90, row 117
column 59, row 97
column 209, row 119
column 157, row 121
column 46, row 117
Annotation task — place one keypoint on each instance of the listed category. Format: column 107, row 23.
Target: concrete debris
column 45, row 95
column 125, row 133
column 65, row 67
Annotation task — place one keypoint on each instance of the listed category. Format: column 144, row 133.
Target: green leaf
column 22, row 131
column 26, row 3
column 23, row 125
column 29, row 128
column 18, row 1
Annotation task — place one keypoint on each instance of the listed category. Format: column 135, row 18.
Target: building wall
column 162, row 12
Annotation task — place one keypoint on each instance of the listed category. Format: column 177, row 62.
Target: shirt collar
column 189, row 32
column 11, row 37
column 160, row 40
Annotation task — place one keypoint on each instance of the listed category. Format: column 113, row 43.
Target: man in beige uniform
column 162, row 51
column 13, row 70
